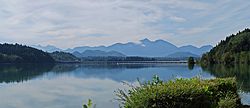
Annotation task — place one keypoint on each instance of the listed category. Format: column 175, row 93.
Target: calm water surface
column 71, row 85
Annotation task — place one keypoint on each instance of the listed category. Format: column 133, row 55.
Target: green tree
column 191, row 60
column 191, row 63
column 234, row 49
column 15, row 53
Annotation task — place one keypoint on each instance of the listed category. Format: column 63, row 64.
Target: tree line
column 235, row 49
column 16, row 53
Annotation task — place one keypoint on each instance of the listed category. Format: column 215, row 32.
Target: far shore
column 129, row 62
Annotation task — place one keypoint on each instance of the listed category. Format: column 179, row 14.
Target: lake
column 71, row 85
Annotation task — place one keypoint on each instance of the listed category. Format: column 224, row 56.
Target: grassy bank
column 182, row 93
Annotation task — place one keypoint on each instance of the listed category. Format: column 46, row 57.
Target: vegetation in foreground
column 234, row 50
column 182, row 93
column 89, row 104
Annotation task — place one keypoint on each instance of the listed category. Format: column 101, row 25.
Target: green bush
column 230, row 101
column 182, row 93
column 89, row 104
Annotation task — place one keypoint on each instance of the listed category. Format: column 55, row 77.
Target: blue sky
column 70, row 23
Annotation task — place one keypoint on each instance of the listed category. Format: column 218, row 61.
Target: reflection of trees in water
column 241, row 72
column 61, row 68
column 72, row 67
column 98, row 69
column 121, row 72
column 22, row 72
column 126, row 66
column 190, row 66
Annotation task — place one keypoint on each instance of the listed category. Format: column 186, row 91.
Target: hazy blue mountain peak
column 122, row 44
column 182, row 55
column 188, row 46
column 146, row 40
column 146, row 47
column 98, row 53
column 160, row 40
column 48, row 48
column 163, row 42
column 207, row 46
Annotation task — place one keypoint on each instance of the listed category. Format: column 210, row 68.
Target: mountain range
column 48, row 48
column 146, row 48
column 98, row 53
column 182, row 54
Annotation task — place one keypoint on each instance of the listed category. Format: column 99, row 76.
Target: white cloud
column 177, row 19
column 193, row 31
column 67, row 23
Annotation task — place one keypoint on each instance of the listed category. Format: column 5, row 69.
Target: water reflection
column 68, row 85
column 22, row 72
column 60, row 92
column 190, row 66
column 240, row 72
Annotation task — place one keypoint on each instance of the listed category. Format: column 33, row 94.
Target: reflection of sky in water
column 131, row 74
column 245, row 98
column 69, row 89
column 63, row 92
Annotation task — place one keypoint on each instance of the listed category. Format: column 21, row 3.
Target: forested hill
column 15, row 53
column 235, row 49
column 64, row 57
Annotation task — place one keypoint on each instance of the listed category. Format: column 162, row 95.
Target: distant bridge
column 132, row 62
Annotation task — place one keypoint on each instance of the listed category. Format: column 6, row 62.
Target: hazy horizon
column 138, row 42
column 67, row 24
